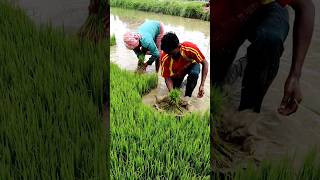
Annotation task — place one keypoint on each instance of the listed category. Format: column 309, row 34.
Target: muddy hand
column 291, row 98
column 145, row 66
column 201, row 91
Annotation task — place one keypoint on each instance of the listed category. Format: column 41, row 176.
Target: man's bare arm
column 302, row 34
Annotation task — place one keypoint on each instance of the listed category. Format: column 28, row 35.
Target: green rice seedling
column 175, row 96
column 52, row 92
column 141, row 59
column 222, row 152
column 281, row 169
column 113, row 40
column 188, row 9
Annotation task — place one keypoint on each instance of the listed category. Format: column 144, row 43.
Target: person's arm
column 203, row 77
column 169, row 83
column 154, row 53
column 138, row 52
column 302, row 34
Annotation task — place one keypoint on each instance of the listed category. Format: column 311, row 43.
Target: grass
column 52, row 90
column 222, row 153
column 280, row 170
column 186, row 9
column 175, row 96
column 113, row 40
column 150, row 145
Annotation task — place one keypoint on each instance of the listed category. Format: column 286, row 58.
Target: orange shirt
column 189, row 53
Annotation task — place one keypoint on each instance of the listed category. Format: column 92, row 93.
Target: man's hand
column 145, row 65
column 291, row 98
column 201, row 91
column 169, row 83
column 302, row 33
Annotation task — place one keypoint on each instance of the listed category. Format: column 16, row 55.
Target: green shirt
column 149, row 31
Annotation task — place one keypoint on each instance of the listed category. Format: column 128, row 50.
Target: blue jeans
column 267, row 30
column 193, row 72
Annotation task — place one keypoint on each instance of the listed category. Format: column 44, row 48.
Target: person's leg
column 221, row 61
column 192, row 79
column 267, row 35
column 177, row 82
column 157, row 64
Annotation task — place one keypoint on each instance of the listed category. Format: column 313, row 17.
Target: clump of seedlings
column 141, row 69
column 172, row 103
column 174, row 97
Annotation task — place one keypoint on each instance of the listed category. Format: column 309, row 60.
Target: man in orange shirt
column 178, row 60
column 265, row 23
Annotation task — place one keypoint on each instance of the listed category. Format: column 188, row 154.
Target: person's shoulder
column 164, row 56
column 153, row 21
column 188, row 44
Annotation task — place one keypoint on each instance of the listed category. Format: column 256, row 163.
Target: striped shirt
column 189, row 53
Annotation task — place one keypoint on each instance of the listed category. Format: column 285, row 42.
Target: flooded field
column 69, row 14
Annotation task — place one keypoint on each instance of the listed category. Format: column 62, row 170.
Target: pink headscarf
column 131, row 40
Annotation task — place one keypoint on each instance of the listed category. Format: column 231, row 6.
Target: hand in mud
column 291, row 98
column 201, row 91
column 145, row 66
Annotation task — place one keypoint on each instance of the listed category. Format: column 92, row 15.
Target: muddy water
column 70, row 14
column 196, row 31
column 270, row 135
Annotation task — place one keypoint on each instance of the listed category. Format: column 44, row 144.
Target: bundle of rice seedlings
column 173, row 103
column 96, row 26
column 222, row 152
column 141, row 68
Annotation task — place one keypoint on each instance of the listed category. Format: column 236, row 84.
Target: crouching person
column 181, row 59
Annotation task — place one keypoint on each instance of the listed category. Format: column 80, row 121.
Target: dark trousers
column 193, row 72
column 267, row 31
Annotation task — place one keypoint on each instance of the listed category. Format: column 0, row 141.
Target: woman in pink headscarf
column 147, row 39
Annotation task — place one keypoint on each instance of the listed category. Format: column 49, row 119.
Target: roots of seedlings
column 168, row 106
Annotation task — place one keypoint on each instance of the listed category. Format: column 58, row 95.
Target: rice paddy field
column 147, row 144
column 52, row 91
column 188, row 9
column 280, row 170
